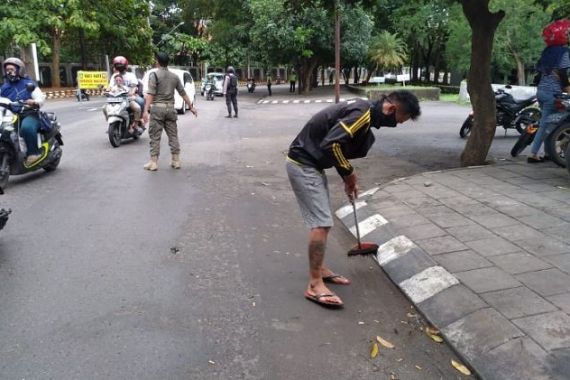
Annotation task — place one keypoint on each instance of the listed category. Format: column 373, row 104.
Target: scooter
column 557, row 133
column 13, row 147
column 119, row 117
column 250, row 86
column 511, row 113
column 209, row 91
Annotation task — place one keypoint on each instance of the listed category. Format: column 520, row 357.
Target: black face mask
column 12, row 77
column 388, row 120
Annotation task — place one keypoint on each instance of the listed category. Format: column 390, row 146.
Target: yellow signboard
column 92, row 79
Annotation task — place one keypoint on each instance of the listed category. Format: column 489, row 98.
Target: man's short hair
column 162, row 59
column 408, row 101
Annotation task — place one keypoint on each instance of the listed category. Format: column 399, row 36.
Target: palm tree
column 386, row 51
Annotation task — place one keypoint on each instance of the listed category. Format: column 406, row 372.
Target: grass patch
column 449, row 97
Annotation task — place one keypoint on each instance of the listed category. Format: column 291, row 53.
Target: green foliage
column 387, row 50
column 357, row 27
column 518, row 37
column 458, row 49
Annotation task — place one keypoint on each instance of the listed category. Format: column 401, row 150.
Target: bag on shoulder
column 233, row 82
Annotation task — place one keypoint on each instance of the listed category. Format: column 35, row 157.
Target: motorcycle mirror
column 30, row 87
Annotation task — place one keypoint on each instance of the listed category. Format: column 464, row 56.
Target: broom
column 362, row 249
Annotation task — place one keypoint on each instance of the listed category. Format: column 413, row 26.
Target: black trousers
column 292, row 86
column 231, row 98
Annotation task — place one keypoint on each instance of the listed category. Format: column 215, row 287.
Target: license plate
column 114, row 100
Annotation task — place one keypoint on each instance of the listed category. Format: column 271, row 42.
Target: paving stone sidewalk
column 484, row 254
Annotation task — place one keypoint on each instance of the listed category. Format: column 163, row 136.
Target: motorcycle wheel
column 4, row 170
column 115, row 134
column 524, row 140
column 466, row 127
column 528, row 116
column 556, row 143
column 54, row 164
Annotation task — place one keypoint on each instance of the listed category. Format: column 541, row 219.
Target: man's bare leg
column 317, row 246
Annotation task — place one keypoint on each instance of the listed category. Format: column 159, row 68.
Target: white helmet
column 20, row 67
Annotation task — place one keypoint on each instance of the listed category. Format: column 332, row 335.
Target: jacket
column 336, row 134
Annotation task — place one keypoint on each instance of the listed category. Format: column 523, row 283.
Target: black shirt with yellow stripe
column 336, row 134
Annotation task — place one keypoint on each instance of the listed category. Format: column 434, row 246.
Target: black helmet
column 231, row 70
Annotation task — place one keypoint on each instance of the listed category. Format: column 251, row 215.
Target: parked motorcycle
column 511, row 113
column 209, row 90
column 119, row 117
column 250, row 86
column 12, row 146
column 556, row 136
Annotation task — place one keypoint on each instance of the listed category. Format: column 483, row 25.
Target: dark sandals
column 317, row 298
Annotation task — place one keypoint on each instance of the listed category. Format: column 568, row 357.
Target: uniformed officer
column 159, row 102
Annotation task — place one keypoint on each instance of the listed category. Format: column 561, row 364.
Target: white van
column 187, row 82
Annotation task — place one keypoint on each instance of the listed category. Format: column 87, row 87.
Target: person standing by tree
column 552, row 78
column 330, row 138
column 269, row 82
column 230, row 91
column 292, row 81
column 159, row 103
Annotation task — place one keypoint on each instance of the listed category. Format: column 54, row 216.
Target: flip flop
column 334, row 279
column 316, row 298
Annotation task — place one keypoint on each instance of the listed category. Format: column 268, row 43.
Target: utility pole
column 337, row 52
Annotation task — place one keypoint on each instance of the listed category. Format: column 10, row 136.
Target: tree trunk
column 483, row 25
column 521, row 77
column 56, row 48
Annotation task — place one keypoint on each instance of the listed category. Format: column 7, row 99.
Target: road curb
column 477, row 333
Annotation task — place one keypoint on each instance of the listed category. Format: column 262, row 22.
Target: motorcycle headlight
column 7, row 126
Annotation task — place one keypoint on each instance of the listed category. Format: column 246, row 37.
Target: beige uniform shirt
column 162, row 83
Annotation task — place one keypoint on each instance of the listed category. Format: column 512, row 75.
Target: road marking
column 285, row 101
column 369, row 192
column 318, row 101
column 368, row 225
column 274, row 102
column 92, row 109
column 296, row 101
column 393, row 249
column 347, row 210
column 307, row 101
column 427, row 283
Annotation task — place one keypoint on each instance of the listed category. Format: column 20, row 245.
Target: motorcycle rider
column 120, row 65
column 121, row 87
column 14, row 88
column 552, row 78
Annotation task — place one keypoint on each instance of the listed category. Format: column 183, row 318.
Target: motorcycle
column 13, row 147
column 250, row 86
column 557, row 134
column 209, row 91
column 511, row 113
column 119, row 117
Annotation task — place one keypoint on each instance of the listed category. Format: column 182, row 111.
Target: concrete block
column 408, row 265
column 562, row 301
column 519, row 262
column 492, row 246
column 493, row 220
column 450, row 305
column 520, row 358
column 544, row 247
column 441, row 244
column 519, row 232
column 551, row 330
column 518, row 302
column 546, row 282
column 462, row 261
column 470, row 233
column 423, row 231
column 487, row 280
column 480, row 332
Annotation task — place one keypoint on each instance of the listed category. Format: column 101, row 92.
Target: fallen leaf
column 399, row 360
column 411, row 315
column 374, row 350
column 360, row 322
column 384, row 342
column 432, row 330
column 211, row 362
column 418, row 367
column 460, row 367
column 435, row 338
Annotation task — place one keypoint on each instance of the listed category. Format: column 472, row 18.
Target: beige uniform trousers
column 163, row 118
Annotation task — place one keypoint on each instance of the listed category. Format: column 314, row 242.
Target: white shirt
column 130, row 78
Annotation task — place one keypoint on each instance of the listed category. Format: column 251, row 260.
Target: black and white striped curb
column 305, row 101
column 69, row 93
column 430, row 287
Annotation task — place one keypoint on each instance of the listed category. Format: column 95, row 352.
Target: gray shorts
column 312, row 192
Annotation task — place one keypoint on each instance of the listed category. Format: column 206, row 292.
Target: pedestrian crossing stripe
column 307, row 101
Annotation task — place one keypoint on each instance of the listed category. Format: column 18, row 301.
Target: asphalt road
column 111, row 272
